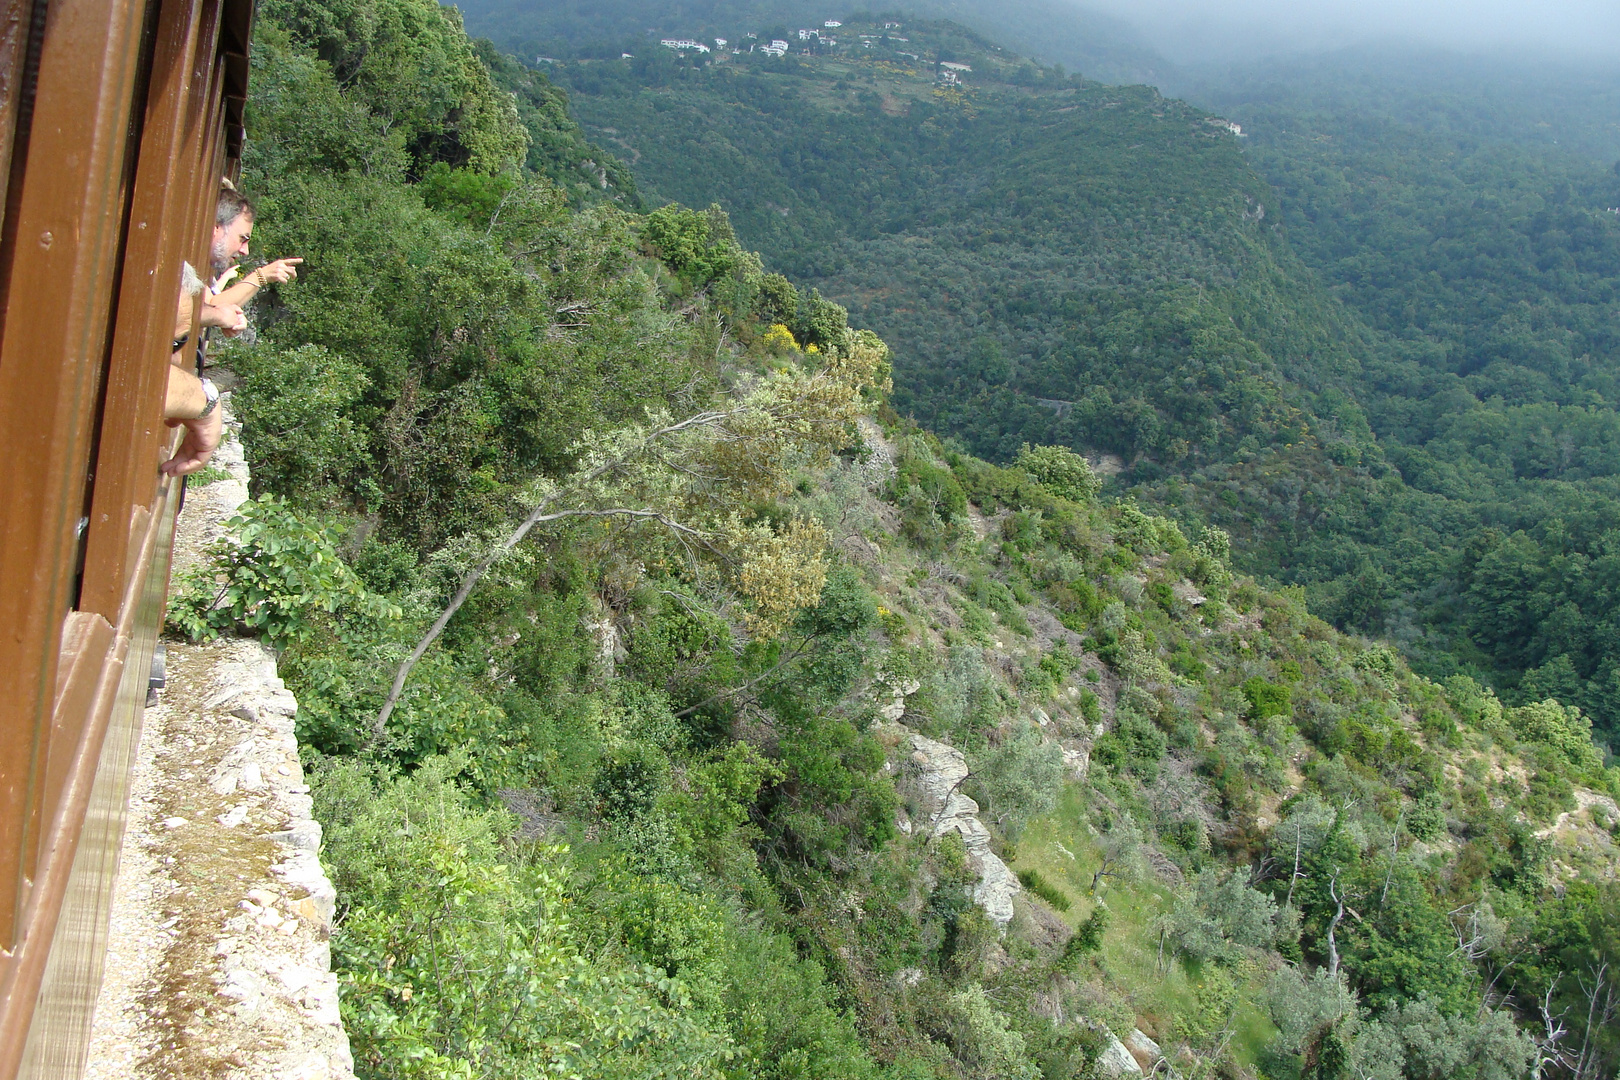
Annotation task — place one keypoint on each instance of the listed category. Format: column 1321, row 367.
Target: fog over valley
column 1198, row 31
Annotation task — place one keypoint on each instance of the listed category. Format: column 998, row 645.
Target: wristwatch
column 211, row 393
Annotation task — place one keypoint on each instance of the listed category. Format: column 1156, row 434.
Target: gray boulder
column 939, row 771
column 1116, row 1061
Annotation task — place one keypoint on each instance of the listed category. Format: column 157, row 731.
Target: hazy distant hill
column 1463, row 208
column 1097, row 45
column 1094, row 44
column 1556, row 105
column 1054, row 260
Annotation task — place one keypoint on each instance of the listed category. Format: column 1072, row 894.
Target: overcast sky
column 1190, row 30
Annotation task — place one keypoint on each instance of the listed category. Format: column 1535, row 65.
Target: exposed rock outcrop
column 1117, row 1061
column 1145, row 1050
column 939, row 771
column 893, row 709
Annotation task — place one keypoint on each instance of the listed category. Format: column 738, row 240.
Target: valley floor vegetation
column 651, row 805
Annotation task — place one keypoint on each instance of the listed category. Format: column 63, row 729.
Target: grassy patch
column 207, row 476
column 1058, row 852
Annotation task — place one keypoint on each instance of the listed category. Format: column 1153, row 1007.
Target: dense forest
column 677, row 706
column 1371, row 338
column 1468, row 217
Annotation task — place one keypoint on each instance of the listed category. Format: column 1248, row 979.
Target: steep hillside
column 1370, row 338
column 1013, row 237
column 680, row 710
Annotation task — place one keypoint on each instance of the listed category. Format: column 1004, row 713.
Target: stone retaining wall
column 218, row 962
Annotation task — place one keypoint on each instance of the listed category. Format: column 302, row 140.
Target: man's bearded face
column 230, row 243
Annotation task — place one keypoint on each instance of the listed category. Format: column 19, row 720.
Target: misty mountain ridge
column 1528, row 98
column 1102, row 46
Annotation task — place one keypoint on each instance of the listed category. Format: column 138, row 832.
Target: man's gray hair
column 190, row 283
column 232, row 205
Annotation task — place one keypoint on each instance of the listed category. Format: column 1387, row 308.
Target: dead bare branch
column 1338, row 916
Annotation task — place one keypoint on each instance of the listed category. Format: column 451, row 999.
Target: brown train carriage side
column 117, row 119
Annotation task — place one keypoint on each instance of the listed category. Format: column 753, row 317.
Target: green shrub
column 1077, row 601
column 1060, row 470
column 207, row 475
column 1135, row 745
column 275, row 574
column 1426, row 820
column 298, row 427
column 976, row 623
column 820, row 322
column 1035, row 883
column 1265, row 699
column 1022, row 530
column 784, row 1014
column 473, row 196
column 697, row 246
column 1188, row 666
column 998, row 597
column 629, row 780
column 1221, row 914
column 1050, row 670
column 1548, row 794
column 1018, row 778
column 675, row 644
column 1563, row 728
column 983, row 1040
column 776, row 301
column 718, row 793
column 1149, row 534
column 1088, row 937
column 441, row 931
column 929, row 497
column 1379, row 665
